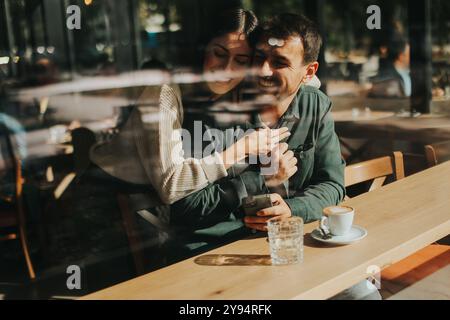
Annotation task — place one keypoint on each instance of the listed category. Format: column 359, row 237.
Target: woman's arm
column 158, row 137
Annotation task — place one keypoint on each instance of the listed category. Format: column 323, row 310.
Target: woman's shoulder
column 170, row 92
column 166, row 97
column 154, row 93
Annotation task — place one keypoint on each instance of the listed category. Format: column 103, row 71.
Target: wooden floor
column 424, row 275
column 434, row 287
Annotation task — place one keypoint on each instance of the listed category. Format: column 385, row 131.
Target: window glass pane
column 440, row 27
column 83, row 109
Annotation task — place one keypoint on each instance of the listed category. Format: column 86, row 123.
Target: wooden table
column 401, row 218
column 425, row 128
column 360, row 115
column 380, row 129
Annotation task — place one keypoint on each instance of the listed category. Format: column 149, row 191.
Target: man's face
column 405, row 57
column 282, row 69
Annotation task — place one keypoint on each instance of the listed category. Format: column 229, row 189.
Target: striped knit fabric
column 148, row 149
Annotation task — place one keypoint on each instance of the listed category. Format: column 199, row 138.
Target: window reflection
column 65, row 92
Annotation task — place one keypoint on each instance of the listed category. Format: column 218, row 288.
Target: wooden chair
column 130, row 227
column 12, row 212
column 82, row 140
column 145, row 244
column 416, row 266
column 378, row 170
column 437, row 153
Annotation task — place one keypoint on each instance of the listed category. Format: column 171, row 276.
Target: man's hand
column 286, row 165
column 279, row 210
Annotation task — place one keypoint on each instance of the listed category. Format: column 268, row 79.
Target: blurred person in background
column 10, row 130
column 43, row 72
column 393, row 78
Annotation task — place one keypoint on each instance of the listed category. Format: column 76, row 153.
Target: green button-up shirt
column 214, row 212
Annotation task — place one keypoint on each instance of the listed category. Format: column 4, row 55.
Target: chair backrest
column 82, row 140
column 437, row 153
column 6, row 149
column 9, row 162
column 18, row 220
column 376, row 169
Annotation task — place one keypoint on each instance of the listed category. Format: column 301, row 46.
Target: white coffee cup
column 337, row 219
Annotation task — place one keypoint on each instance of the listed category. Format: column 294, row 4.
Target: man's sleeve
column 326, row 186
column 215, row 203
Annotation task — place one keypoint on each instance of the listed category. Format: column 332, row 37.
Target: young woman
column 148, row 149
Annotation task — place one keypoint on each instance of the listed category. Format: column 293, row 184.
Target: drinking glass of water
column 286, row 240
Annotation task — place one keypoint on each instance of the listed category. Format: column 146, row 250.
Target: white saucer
column 356, row 233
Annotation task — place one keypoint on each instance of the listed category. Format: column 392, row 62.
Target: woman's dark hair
column 233, row 20
column 230, row 20
column 396, row 46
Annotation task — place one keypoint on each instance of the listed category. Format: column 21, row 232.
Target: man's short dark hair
column 397, row 45
column 287, row 25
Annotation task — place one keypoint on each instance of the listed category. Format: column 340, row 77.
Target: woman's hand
column 259, row 142
column 262, row 141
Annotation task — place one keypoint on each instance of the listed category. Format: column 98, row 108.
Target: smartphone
column 253, row 204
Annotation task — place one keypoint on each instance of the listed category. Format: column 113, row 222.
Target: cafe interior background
column 62, row 90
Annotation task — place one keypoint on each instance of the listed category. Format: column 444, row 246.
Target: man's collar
column 291, row 113
column 293, row 109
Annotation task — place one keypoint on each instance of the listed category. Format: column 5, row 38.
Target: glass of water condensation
column 286, row 240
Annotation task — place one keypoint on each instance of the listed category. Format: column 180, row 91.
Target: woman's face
column 228, row 53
